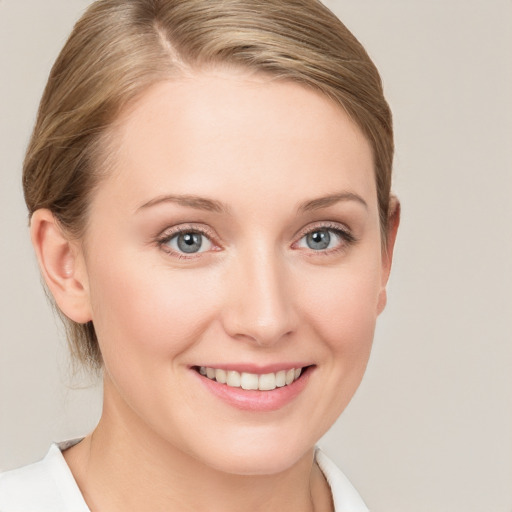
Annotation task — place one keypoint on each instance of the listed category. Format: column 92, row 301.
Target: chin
column 261, row 465
column 257, row 455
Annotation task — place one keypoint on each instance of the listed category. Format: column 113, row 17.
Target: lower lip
column 255, row 400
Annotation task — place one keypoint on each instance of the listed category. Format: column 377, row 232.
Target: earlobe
column 387, row 252
column 61, row 264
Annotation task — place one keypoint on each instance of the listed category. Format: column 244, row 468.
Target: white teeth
column 233, row 379
column 281, row 378
column 249, row 381
column 267, row 382
column 220, row 376
column 252, row 381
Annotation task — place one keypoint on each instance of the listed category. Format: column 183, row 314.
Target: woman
column 209, row 192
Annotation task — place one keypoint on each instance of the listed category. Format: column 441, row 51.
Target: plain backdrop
column 430, row 429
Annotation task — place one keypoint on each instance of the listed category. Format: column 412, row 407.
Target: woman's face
column 238, row 235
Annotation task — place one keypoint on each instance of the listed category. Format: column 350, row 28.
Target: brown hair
column 121, row 47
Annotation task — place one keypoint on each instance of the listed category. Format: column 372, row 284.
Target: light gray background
column 431, row 427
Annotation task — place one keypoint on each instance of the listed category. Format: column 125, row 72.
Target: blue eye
column 189, row 242
column 318, row 240
column 321, row 239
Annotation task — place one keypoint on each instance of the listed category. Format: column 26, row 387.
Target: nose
column 260, row 305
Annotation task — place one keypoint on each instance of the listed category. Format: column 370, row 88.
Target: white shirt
column 49, row 486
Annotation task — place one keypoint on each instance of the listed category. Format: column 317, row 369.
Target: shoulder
column 45, row 486
column 344, row 495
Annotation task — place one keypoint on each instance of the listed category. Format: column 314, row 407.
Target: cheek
column 148, row 312
column 342, row 309
column 342, row 304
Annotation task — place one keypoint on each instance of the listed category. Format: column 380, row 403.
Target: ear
column 62, row 266
column 387, row 251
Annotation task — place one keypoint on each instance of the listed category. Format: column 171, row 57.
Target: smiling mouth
column 252, row 381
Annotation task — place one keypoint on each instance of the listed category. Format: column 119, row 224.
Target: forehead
column 230, row 133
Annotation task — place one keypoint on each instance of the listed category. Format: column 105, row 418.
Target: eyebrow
column 211, row 205
column 192, row 201
column 326, row 201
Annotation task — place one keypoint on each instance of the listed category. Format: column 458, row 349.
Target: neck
column 122, row 465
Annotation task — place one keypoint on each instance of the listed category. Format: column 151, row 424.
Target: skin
column 256, row 294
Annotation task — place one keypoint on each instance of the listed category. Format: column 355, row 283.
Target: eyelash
column 344, row 235
column 346, row 238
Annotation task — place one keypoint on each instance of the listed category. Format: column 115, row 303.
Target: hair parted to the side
column 121, row 47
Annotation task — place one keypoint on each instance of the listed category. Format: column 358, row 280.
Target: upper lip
column 254, row 368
